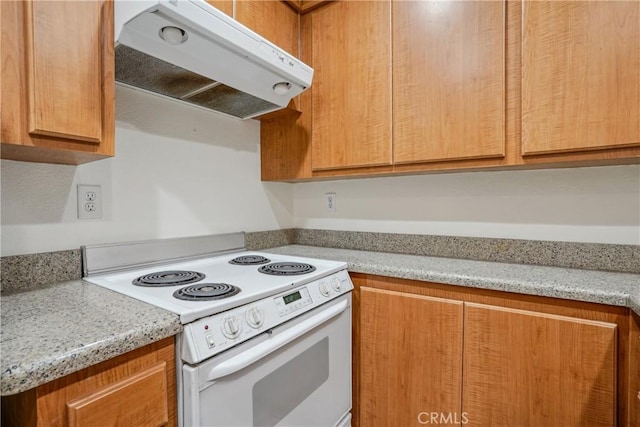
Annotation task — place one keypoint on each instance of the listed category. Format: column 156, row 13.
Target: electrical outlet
column 331, row 202
column 89, row 202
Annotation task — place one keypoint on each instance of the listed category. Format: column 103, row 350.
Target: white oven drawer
column 300, row 375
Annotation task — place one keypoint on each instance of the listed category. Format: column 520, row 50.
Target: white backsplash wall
column 178, row 171
column 597, row 204
column 181, row 171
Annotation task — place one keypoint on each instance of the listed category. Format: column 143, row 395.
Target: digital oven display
column 288, row 299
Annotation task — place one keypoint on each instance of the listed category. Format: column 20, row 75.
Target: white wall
column 178, row 171
column 600, row 204
column 181, row 171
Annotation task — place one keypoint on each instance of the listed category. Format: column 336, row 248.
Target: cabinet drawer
column 148, row 389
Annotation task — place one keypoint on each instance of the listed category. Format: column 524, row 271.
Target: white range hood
column 189, row 51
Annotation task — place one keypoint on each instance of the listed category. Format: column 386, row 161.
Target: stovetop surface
column 253, row 284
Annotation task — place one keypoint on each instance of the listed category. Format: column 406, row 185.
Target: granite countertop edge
column 23, row 370
column 610, row 288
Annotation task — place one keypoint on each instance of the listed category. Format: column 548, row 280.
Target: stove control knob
column 255, row 317
column 231, row 326
column 324, row 289
column 335, row 284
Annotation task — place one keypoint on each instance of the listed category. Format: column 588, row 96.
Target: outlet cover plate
column 89, row 201
column 331, row 202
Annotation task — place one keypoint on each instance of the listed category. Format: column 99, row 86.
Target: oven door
column 297, row 375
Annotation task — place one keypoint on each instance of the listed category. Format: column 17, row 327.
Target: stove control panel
column 293, row 301
column 209, row 336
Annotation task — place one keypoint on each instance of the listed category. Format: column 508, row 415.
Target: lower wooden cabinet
column 634, row 370
column 410, row 355
column 427, row 353
column 528, row 368
column 135, row 389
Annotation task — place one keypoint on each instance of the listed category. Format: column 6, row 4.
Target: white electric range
column 267, row 338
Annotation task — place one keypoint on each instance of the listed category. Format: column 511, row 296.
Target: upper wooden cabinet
column 448, row 80
column 225, row 6
column 304, row 6
column 484, row 84
column 351, row 90
column 57, row 81
column 273, row 20
column 580, row 75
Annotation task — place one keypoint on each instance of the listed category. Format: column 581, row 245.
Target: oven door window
column 304, row 383
column 279, row 393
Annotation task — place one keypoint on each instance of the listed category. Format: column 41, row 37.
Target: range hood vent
column 205, row 59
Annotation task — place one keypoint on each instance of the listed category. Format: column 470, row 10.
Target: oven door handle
column 265, row 348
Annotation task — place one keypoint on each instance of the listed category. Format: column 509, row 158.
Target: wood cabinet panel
column 359, row 281
column 225, row 6
column 136, row 388
column 13, row 75
column 305, row 6
column 148, row 389
column 283, row 149
column 634, row 370
column 309, row 5
column 57, row 81
column 448, row 80
column 64, row 71
column 581, row 326
column 527, row 368
column 285, row 141
column 351, row 92
column 494, row 29
column 274, row 20
column 580, row 75
column 410, row 357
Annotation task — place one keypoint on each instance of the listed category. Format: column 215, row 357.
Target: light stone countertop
column 51, row 332
column 621, row 289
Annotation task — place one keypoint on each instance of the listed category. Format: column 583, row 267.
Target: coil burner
column 206, row 292
column 168, row 278
column 286, row 268
column 250, row 260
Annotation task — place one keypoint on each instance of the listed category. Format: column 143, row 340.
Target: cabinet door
column 273, row 20
column 64, row 72
column 580, row 75
column 528, row 368
column 448, row 80
column 57, row 81
column 410, row 357
column 134, row 389
column 140, row 400
column 351, row 91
